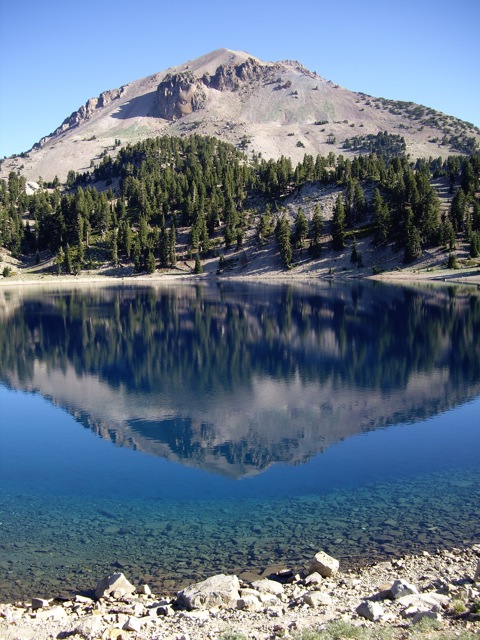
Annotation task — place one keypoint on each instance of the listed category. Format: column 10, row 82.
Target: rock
column 145, row 590
column 476, row 577
column 40, row 603
column 432, row 615
column 217, row 591
column 268, row 586
column 132, row 624
column 416, row 603
column 323, row 564
column 115, row 585
column 317, row 599
column 401, row 588
column 165, row 610
column 84, row 600
column 55, row 613
column 370, row 610
column 313, row 578
column 89, row 626
column 249, row 603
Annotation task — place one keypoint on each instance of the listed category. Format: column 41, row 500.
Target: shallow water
column 175, row 433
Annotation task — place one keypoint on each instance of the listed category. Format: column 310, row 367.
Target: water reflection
column 233, row 378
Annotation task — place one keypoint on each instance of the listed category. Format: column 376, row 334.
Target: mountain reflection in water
column 234, row 378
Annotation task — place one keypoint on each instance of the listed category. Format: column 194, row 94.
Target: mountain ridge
column 272, row 108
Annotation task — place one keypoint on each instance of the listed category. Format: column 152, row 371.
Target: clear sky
column 55, row 55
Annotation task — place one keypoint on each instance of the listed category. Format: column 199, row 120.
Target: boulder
column 370, row 610
column 432, row 615
column 401, row 588
column 249, row 603
column 55, row 613
column 268, row 586
column 217, row 591
column 40, row 603
column 89, row 626
column 132, row 624
column 476, row 577
column 313, row 578
column 115, row 586
column 323, row 564
column 317, row 599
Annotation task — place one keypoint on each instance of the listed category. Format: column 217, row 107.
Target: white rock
column 249, row 603
column 317, row 599
column 89, row 626
column 424, row 601
column 370, row 610
column 145, row 590
column 115, row 585
column 402, row 588
column 217, row 591
column 324, row 564
column 476, row 577
column 268, row 586
column 432, row 615
column 132, row 624
column 55, row 613
column 313, row 578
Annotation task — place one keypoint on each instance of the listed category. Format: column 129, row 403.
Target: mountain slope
column 276, row 108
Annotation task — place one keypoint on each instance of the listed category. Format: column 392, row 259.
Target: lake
column 174, row 432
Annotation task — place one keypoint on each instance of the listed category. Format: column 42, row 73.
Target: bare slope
column 274, row 108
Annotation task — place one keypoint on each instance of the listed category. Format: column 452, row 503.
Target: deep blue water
column 178, row 432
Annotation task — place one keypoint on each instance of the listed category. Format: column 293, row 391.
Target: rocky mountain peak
column 178, row 95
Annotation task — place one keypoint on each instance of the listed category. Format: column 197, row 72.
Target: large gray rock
column 323, row 564
column 317, row 599
column 90, row 626
column 476, row 577
column 370, row 610
column 115, row 586
column 401, row 588
column 268, row 586
column 217, row 591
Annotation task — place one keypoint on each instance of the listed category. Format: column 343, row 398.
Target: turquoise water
column 175, row 433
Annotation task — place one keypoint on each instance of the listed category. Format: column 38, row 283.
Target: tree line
column 212, row 194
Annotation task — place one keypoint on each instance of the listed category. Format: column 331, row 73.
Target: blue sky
column 55, row 55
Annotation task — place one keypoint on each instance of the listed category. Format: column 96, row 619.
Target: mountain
column 276, row 108
column 234, row 379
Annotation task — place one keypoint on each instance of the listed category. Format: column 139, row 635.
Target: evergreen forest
column 168, row 199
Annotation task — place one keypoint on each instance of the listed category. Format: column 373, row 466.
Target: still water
column 177, row 432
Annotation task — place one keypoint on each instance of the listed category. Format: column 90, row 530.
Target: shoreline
column 405, row 276
column 438, row 588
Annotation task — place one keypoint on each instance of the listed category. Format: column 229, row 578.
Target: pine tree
column 316, row 231
column 283, row 234
column 338, row 225
column 301, row 228
column 198, row 264
column 412, row 241
column 381, row 219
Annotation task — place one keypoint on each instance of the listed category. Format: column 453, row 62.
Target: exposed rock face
column 85, row 112
column 178, row 95
column 230, row 77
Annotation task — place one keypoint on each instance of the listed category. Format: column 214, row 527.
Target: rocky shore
column 429, row 595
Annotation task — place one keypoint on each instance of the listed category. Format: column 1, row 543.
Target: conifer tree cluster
column 166, row 197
